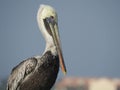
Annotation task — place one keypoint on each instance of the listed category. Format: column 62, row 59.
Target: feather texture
column 35, row 73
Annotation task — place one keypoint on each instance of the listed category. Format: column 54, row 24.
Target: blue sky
column 89, row 30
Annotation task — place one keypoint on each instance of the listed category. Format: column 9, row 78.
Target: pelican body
column 40, row 72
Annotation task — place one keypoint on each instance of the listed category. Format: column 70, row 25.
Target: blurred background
column 90, row 36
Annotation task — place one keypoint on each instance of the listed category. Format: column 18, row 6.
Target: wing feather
column 20, row 72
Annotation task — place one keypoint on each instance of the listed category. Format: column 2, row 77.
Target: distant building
column 77, row 83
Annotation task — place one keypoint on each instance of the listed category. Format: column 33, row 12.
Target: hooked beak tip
column 65, row 72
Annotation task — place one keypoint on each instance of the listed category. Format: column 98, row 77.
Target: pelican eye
column 51, row 20
column 52, row 17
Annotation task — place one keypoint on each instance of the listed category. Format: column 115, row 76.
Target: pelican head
column 48, row 24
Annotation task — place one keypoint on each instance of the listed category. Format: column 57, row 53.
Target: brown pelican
column 40, row 72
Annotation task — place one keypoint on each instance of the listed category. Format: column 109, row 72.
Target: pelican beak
column 56, row 38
